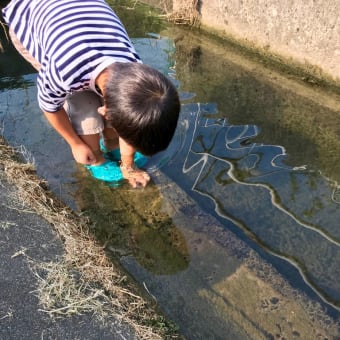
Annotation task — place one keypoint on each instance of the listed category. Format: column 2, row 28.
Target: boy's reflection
column 131, row 222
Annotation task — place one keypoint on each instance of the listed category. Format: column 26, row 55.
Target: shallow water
column 247, row 193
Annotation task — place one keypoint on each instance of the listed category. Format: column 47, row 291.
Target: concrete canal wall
column 305, row 33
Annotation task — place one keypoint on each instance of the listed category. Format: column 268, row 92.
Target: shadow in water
column 132, row 222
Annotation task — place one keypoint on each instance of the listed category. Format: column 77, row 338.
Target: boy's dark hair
column 143, row 106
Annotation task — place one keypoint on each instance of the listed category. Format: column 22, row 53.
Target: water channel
column 238, row 234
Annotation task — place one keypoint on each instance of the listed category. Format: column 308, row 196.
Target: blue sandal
column 114, row 155
column 107, row 172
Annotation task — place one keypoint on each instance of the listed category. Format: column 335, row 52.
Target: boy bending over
column 92, row 84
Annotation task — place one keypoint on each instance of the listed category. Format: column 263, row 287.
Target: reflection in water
column 289, row 211
column 303, row 119
column 132, row 222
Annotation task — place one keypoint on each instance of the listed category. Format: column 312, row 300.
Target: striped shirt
column 73, row 40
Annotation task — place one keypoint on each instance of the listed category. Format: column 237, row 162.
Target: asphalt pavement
column 25, row 235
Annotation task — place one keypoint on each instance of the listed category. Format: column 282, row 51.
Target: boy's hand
column 61, row 123
column 83, row 154
column 136, row 177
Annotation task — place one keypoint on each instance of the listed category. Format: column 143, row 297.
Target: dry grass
column 184, row 12
column 85, row 280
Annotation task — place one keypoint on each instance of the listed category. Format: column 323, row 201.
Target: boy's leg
column 81, row 108
column 110, row 137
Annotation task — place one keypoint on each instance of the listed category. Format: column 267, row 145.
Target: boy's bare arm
column 135, row 176
column 61, row 123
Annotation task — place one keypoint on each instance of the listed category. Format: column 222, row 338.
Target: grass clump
column 185, row 13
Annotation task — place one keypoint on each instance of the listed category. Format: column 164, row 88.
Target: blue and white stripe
column 73, row 40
